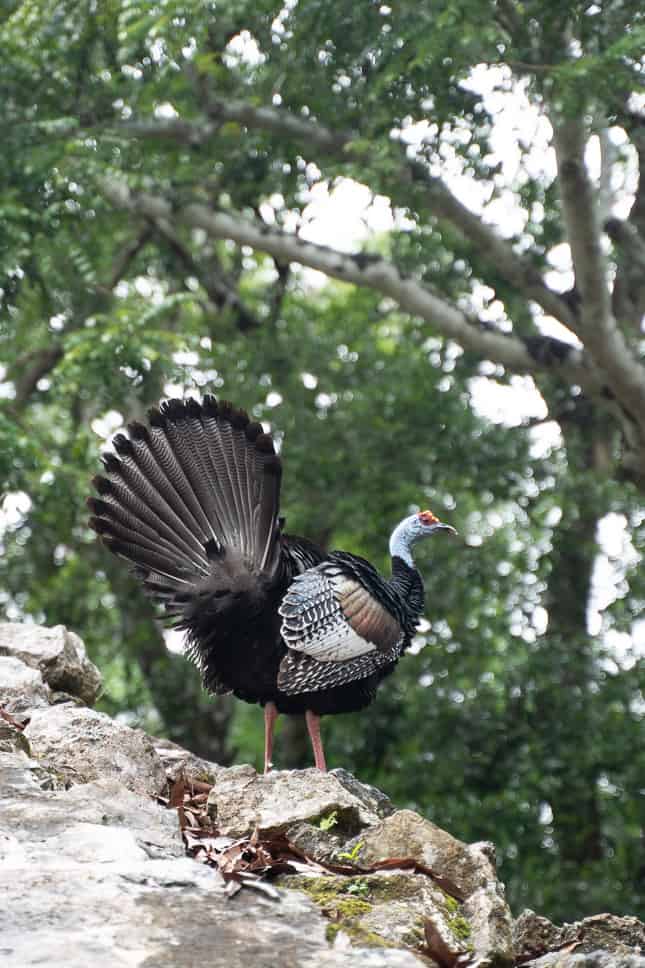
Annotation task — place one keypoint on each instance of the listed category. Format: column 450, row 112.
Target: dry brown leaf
column 12, row 722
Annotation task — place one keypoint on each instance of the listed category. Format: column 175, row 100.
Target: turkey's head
column 411, row 529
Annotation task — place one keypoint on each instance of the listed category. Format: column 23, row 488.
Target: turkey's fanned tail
column 192, row 501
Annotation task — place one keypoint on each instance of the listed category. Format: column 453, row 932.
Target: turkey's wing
column 338, row 629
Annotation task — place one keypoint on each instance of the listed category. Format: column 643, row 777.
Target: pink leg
column 270, row 716
column 313, row 726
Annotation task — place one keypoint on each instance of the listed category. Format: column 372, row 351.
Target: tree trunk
column 566, row 729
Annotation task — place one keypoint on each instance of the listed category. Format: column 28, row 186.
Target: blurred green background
column 519, row 716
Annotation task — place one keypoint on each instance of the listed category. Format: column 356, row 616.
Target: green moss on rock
column 452, row 904
column 457, row 923
column 460, row 927
column 357, row 934
column 331, row 893
column 394, row 887
column 337, row 900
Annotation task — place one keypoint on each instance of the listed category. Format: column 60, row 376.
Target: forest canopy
column 165, row 167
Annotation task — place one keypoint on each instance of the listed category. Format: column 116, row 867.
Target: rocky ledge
column 120, row 849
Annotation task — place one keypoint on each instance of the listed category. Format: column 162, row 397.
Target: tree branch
column 126, row 255
column 40, row 363
column 274, row 120
column 516, row 269
column 368, row 271
column 218, row 289
column 601, row 336
column 346, row 146
column 628, row 297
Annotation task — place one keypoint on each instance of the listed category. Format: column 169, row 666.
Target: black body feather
column 192, row 502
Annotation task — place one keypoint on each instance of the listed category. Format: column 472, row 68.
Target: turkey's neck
column 405, row 580
column 400, row 543
column 404, row 575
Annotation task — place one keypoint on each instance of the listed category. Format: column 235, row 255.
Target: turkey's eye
column 427, row 517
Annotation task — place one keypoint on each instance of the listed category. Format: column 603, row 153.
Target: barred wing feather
column 335, row 631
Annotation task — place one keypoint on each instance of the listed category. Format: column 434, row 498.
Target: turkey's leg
column 270, row 716
column 313, row 726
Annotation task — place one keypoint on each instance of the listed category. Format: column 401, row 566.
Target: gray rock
column 83, row 745
column 123, row 910
column 67, row 823
column 375, row 799
column 93, row 870
column 242, row 800
column 593, row 959
column 535, row 935
column 12, row 739
column 178, row 761
column 58, row 654
column 20, row 774
column 386, row 908
column 22, row 689
column 405, row 834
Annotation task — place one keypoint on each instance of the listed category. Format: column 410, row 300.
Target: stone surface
column 93, row 869
column 95, row 874
column 22, row 689
column 385, row 908
column 58, row 654
column 593, row 959
column 177, row 762
column 152, row 914
column 83, row 745
column 242, row 800
column 11, row 739
column 535, row 935
column 405, row 834
column 73, row 822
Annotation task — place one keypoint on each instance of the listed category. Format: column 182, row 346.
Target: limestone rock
column 155, row 913
column 19, row 773
column 375, row 799
column 242, row 800
column 534, row 934
column 536, row 937
column 58, row 654
column 83, row 745
column 96, row 874
column 593, row 959
column 386, row 908
column 92, row 866
column 405, row 834
column 22, row 689
column 178, row 761
column 11, row 739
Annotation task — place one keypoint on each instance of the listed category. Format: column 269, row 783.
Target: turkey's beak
column 447, row 527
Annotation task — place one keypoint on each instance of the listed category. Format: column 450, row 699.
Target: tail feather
column 180, row 461
column 133, row 533
column 200, row 481
column 220, row 444
column 208, row 495
column 150, row 560
column 129, row 489
column 267, row 526
column 161, row 493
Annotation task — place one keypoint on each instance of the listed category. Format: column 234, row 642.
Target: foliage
column 502, row 726
column 326, row 823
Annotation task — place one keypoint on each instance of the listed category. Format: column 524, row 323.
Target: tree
column 169, row 150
